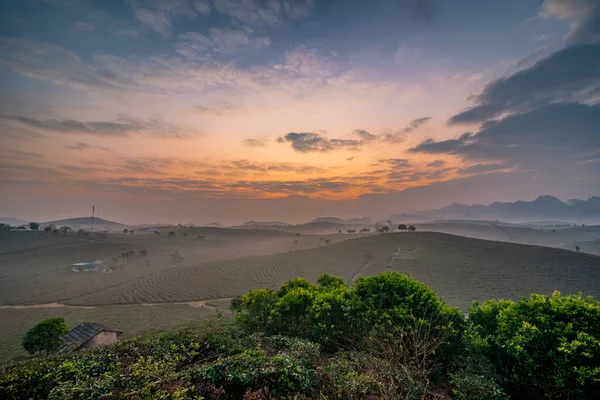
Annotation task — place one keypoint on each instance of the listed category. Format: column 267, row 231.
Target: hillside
column 86, row 223
column 459, row 269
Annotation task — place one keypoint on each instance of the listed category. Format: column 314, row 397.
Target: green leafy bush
column 45, row 336
column 542, row 346
column 277, row 365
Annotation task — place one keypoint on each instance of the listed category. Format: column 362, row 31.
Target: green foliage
column 276, row 365
column 475, row 385
column 386, row 337
column 34, row 226
column 45, row 336
column 543, row 346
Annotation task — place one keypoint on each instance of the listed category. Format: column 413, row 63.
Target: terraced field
column 217, row 268
column 40, row 271
column 460, row 269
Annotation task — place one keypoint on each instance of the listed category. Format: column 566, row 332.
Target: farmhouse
column 87, row 335
column 97, row 266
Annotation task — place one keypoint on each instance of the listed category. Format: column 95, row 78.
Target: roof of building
column 79, row 335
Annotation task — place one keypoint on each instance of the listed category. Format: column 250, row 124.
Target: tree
column 384, row 229
column 172, row 233
column 45, row 336
column 402, row 227
column 412, row 228
column 577, row 248
column 34, row 226
column 125, row 230
column 65, row 229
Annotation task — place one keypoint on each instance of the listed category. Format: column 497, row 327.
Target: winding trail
column 367, row 263
column 195, row 304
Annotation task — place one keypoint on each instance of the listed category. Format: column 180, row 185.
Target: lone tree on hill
column 412, row 228
column 45, row 336
column 125, row 231
column 34, row 226
column 577, row 248
column 384, row 229
column 402, row 227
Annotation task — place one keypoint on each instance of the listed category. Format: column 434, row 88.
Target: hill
column 331, row 220
column 86, row 223
column 13, row 221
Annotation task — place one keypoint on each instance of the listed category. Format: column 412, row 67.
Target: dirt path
column 367, row 263
column 195, row 304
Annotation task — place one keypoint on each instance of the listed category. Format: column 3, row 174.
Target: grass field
column 228, row 262
column 132, row 320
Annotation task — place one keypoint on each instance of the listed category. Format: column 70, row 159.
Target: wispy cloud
column 255, row 142
column 78, row 146
column 122, row 126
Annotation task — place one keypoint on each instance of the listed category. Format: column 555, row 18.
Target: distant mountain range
column 265, row 223
column 543, row 208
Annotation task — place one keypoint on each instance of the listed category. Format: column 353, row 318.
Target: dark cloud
column 563, row 131
column 78, row 146
column 451, row 146
column 350, row 158
column 254, row 142
column 307, row 142
column 437, row 164
column 567, row 75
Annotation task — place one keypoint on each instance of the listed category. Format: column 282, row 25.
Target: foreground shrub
column 543, row 346
column 276, row 366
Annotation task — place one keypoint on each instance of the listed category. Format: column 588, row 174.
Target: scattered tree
column 384, row 229
column 125, row 230
column 412, row 228
column 577, row 248
column 34, row 226
column 402, row 227
column 172, row 233
column 45, row 336
column 65, row 229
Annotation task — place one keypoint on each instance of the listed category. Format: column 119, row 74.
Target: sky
column 199, row 111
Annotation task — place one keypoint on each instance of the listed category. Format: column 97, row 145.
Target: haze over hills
column 542, row 208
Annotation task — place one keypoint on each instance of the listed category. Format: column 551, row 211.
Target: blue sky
column 234, row 106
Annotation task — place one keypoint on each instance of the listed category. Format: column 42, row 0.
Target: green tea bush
column 542, row 346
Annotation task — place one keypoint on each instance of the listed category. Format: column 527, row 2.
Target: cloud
column 350, row 158
column 396, row 162
column 393, row 137
column 263, row 12
column 307, row 142
column 123, row 126
column 437, row 164
column 254, row 142
column 157, row 15
column 564, row 131
column 416, row 123
column 78, row 146
column 584, row 15
column 83, row 26
column 480, row 168
column 570, row 74
column 195, row 45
